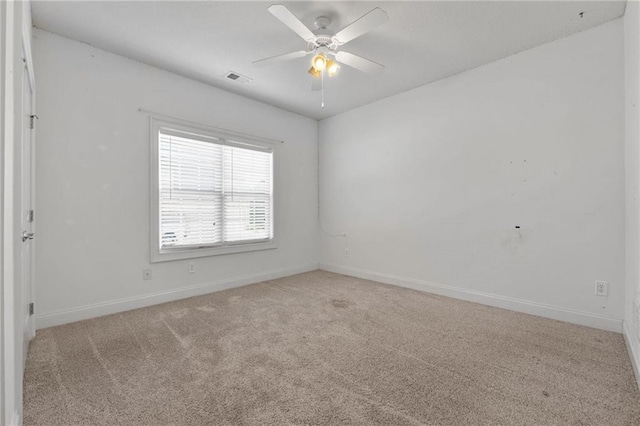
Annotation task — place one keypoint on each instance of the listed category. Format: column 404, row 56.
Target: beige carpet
column 325, row 349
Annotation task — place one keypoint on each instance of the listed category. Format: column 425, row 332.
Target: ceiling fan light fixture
column 332, row 67
column 314, row 72
column 319, row 62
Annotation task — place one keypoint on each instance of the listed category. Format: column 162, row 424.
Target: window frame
column 207, row 134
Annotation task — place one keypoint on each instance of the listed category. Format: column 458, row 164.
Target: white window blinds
column 247, row 194
column 213, row 193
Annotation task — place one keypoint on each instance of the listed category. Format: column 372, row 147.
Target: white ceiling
column 421, row 43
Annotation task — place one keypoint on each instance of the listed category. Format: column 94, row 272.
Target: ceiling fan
column 325, row 45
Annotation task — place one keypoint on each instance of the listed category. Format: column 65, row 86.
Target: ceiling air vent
column 237, row 77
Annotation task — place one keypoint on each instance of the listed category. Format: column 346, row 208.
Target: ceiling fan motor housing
column 324, row 41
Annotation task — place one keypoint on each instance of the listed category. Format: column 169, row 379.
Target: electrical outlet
column 146, row 274
column 602, row 288
column 346, row 252
column 192, row 267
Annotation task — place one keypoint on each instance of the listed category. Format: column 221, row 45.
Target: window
column 212, row 192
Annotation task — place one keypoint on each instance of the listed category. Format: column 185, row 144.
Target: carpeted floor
column 325, row 349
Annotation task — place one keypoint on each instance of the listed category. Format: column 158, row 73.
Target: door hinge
column 31, row 215
column 31, row 308
column 32, row 119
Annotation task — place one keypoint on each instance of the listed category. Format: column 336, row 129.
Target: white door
column 26, row 210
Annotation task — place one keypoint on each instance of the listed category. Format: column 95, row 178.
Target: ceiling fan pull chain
column 322, row 89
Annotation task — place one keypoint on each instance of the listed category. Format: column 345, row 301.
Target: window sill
column 178, row 254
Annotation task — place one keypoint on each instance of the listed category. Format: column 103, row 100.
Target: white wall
column 429, row 184
column 632, row 166
column 92, row 184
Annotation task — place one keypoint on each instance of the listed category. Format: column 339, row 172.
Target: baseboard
column 633, row 346
column 548, row 311
column 51, row 319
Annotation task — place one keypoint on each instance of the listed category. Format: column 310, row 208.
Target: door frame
column 15, row 43
column 4, row 41
column 10, row 402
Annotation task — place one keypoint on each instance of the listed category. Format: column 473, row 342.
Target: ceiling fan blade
column 362, row 25
column 316, row 84
column 281, row 58
column 290, row 20
column 358, row 62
